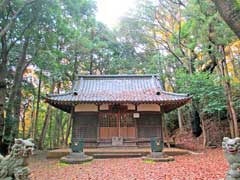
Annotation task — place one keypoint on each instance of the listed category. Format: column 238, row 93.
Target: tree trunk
column 23, row 127
column 58, row 118
column 50, row 135
column 230, row 12
column 203, row 131
column 3, row 90
column 91, row 53
column 44, row 129
column 69, row 126
column 46, row 121
column 30, row 130
column 227, row 90
column 91, row 64
column 165, row 131
column 70, row 119
column 75, row 67
column 58, row 127
column 35, row 128
column 13, row 108
column 231, row 127
column 63, row 123
column 25, row 107
column 180, row 119
column 61, row 129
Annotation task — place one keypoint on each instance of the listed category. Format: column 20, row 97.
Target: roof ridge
column 62, row 94
column 118, row 76
column 155, row 81
column 176, row 94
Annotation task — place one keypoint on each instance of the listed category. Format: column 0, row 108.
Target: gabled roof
column 135, row 89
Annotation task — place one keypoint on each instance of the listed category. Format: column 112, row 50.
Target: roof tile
column 118, row 88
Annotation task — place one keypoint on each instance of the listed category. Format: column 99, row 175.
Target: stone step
column 116, row 155
column 58, row 153
column 116, row 152
column 122, row 146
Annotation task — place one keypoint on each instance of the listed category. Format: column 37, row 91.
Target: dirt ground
column 209, row 165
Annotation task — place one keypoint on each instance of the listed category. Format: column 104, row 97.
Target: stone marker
column 77, row 155
column 231, row 148
column 157, row 154
column 14, row 165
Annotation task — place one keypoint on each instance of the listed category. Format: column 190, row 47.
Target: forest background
column 193, row 45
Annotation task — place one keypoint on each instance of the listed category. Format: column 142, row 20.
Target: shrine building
column 110, row 110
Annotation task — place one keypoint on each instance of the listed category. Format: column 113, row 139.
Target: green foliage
column 171, row 121
column 149, row 161
column 206, row 90
column 62, row 164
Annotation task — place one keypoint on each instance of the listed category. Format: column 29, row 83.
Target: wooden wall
column 149, row 107
column 86, row 108
column 105, row 107
column 85, row 125
column 149, row 125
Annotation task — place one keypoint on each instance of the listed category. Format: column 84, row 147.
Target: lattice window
column 108, row 120
column 127, row 120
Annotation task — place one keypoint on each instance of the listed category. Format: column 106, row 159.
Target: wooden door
column 108, row 126
column 117, row 125
column 127, row 126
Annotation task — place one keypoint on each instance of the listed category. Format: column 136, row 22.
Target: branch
column 173, row 53
column 160, row 24
column 211, row 66
column 168, row 48
column 166, row 30
column 21, row 34
column 178, row 2
column 13, row 19
column 179, row 37
column 3, row 5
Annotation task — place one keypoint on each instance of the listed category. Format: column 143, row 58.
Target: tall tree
column 230, row 12
column 16, row 19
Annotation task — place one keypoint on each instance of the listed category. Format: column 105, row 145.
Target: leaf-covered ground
column 210, row 165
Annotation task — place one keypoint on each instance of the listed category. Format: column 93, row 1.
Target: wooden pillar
column 118, row 121
column 98, row 126
column 161, row 127
column 73, row 122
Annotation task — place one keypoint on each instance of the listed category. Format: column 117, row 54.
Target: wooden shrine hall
column 115, row 110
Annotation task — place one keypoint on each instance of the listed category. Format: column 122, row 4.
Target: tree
column 180, row 34
column 204, row 88
column 230, row 12
column 15, row 22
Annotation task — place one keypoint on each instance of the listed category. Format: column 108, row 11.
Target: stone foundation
column 76, row 158
column 158, row 157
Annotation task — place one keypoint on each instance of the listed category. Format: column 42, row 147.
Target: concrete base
column 158, row 157
column 76, row 158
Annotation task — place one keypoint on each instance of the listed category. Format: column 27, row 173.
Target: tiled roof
column 118, row 89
